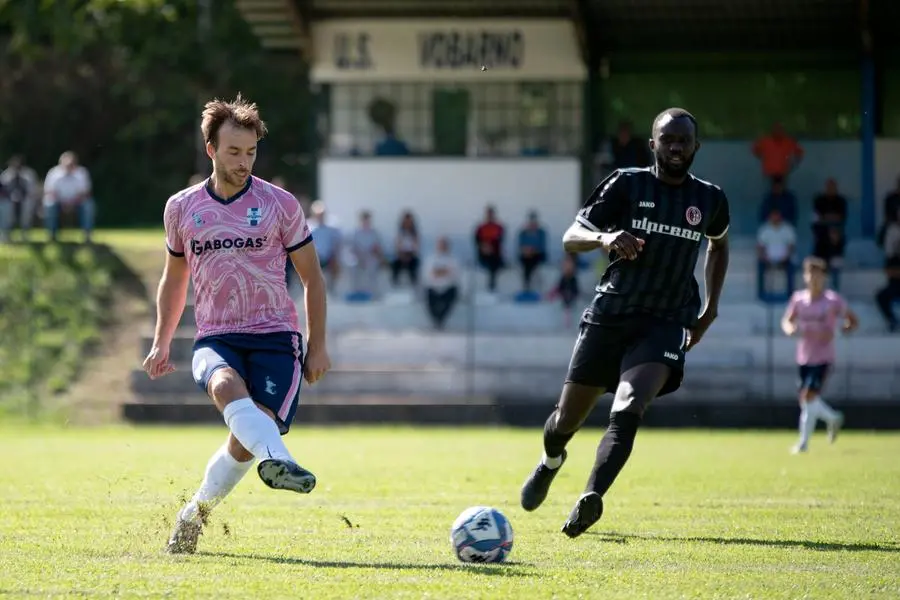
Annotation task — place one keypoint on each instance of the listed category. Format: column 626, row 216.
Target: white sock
column 255, row 430
column 807, row 423
column 223, row 472
column 826, row 413
column 551, row 463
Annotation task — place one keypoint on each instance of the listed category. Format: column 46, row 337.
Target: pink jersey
column 816, row 320
column 237, row 251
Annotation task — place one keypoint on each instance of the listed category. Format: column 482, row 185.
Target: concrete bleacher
column 497, row 350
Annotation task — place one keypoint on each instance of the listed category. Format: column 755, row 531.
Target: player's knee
column 630, row 399
column 576, row 404
column 226, row 386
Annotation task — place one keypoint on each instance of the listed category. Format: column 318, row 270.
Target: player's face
column 674, row 145
column 814, row 279
column 233, row 159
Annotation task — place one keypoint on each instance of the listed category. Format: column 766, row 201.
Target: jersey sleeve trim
column 586, row 223
column 173, row 253
column 718, row 237
column 295, row 247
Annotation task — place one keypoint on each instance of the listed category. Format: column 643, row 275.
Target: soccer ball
column 481, row 534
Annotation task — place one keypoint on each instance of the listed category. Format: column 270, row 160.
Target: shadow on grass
column 507, row 569
column 624, row 538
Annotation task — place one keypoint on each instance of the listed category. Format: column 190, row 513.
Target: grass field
column 695, row 515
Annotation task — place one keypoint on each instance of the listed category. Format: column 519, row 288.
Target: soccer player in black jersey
column 644, row 316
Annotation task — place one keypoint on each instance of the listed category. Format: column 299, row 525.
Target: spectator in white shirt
column 441, row 282
column 368, row 257
column 775, row 243
column 328, row 243
column 67, row 192
column 20, row 193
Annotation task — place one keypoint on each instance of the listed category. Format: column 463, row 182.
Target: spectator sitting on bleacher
column 406, row 251
column 891, row 210
column 775, row 244
column 327, row 239
column 567, row 289
column 21, row 192
column 779, row 154
column 828, row 225
column 779, row 197
column 67, row 191
column 441, row 279
column 368, row 257
column 489, row 246
column 532, row 248
column 889, row 294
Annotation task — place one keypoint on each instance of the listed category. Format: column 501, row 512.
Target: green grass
column 694, row 515
column 54, row 300
column 143, row 238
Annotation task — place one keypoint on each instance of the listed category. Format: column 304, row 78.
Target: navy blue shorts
column 812, row 377
column 271, row 365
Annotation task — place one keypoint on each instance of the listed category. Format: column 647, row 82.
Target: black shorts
column 812, row 377
column 603, row 352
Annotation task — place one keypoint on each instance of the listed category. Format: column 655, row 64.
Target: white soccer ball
column 481, row 534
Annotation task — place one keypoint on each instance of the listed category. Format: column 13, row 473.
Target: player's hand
column 157, row 363
column 623, row 244
column 316, row 365
column 697, row 333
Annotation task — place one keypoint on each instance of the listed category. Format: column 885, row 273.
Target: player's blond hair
column 814, row 263
column 240, row 112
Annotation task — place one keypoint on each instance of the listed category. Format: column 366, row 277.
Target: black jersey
column 672, row 220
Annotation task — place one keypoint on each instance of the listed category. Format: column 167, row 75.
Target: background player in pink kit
column 231, row 235
column 813, row 314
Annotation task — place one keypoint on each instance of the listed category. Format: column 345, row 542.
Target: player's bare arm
column 714, row 272
column 579, row 238
column 851, row 321
column 306, row 263
column 171, row 297
column 788, row 322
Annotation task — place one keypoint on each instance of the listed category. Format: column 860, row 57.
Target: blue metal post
column 868, row 147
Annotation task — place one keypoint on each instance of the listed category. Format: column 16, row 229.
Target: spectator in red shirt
column 778, row 152
column 489, row 246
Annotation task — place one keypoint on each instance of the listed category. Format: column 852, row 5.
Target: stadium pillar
column 869, row 113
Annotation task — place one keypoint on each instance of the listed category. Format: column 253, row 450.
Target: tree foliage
column 122, row 82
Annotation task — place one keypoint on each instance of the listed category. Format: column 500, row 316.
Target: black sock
column 613, row 451
column 554, row 441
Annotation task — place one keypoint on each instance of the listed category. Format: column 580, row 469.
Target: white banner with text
column 446, row 50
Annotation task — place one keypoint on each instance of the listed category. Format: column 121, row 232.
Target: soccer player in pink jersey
column 231, row 235
column 813, row 315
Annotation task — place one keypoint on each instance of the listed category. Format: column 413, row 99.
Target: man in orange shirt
column 778, row 152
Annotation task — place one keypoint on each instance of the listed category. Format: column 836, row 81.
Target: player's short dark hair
column 240, row 112
column 814, row 263
column 674, row 113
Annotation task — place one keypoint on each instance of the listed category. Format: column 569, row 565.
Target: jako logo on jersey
column 680, row 232
column 198, row 220
column 199, row 248
column 254, row 216
column 670, row 355
column 645, row 204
